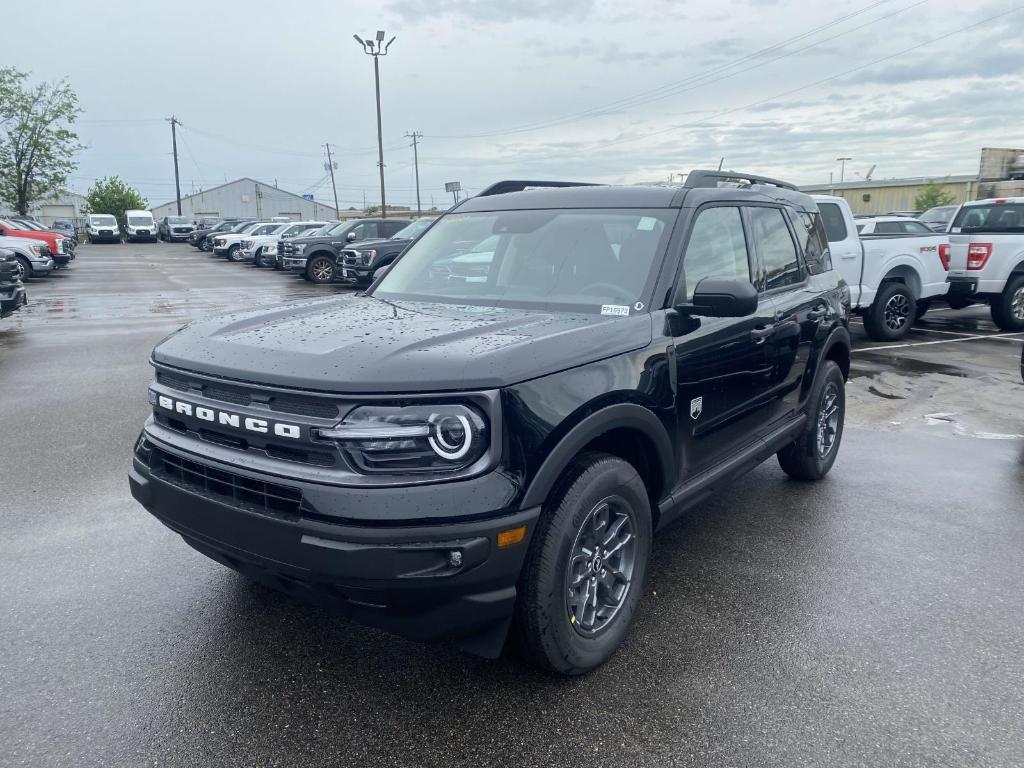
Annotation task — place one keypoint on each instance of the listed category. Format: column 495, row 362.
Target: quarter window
column 813, row 242
column 778, row 252
column 835, row 224
column 717, row 248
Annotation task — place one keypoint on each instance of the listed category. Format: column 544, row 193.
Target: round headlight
column 451, row 436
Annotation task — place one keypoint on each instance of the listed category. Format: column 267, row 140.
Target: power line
column 669, row 88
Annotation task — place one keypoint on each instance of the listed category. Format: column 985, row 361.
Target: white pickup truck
column 986, row 240
column 894, row 266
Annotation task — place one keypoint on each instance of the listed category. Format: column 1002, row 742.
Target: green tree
column 113, row 196
column 931, row 195
column 37, row 144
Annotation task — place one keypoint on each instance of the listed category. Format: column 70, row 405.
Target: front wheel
column 1008, row 307
column 206, row 246
column 233, row 253
column 258, row 259
column 814, row 452
column 320, row 269
column 24, row 269
column 891, row 314
column 584, row 573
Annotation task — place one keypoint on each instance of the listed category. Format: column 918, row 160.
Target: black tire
column 546, row 617
column 206, row 246
column 922, row 307
column 24, row 267
column 320, row 269
column 257, row 260
column 808, row 458
column 1008, row 307
column 233, row 251
column 891, row 314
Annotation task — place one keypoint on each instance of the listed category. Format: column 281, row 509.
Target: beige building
column 883, row 196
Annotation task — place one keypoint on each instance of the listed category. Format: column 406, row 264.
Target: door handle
column 762, row 333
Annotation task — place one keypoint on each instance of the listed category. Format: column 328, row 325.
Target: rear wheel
column 320, row 269
column 891, row 314
column 815, row 450
column 1008, row 307
column 584, row 573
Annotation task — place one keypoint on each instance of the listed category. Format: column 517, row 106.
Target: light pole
column 842, row 167
column 378, row 48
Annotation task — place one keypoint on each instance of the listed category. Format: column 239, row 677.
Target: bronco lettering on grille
column 225, row 419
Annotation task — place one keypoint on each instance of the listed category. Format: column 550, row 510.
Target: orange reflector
column 511, row 536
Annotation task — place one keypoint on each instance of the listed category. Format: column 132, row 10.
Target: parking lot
column 873, row 619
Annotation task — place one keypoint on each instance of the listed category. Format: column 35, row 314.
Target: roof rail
column 502, row 187
column 711, row 179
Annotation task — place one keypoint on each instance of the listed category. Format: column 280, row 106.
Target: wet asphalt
column 876, row 618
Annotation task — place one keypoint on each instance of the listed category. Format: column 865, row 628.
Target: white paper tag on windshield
column 646, row 224
column 615, row 309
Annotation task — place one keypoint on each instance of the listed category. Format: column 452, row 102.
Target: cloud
column 493, row 11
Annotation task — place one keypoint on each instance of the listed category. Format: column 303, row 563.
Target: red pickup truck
column 61, row 254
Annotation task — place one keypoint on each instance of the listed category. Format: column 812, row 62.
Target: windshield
column 941, row 214
column 991, row 217
column 597, row 261
column 177, row 220
column 26, row 224
column 140, row 221
column 337, row 229
column 103, row 221
column 413, row 230
column 242, row 226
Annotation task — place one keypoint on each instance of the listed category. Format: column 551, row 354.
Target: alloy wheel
column 1017, row 304
column 599, row 573
column 897, row 310
column 322, row 270
column 22, row 271
column 828, row 420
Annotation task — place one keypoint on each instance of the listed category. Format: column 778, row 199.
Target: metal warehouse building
column 879, row 197
column 247, row 198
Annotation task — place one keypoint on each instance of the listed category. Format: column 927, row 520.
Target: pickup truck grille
column 353, row 259
column 181, row 230
column 8, row 269
column 285, row 248
column 299, row 405
column 226, row 487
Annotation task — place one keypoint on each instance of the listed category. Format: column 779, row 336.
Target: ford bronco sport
column 451, row 455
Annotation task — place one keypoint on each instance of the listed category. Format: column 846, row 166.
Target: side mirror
column 350, row 237
column 721, row 297
column 379, row 273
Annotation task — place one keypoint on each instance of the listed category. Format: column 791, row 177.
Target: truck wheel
column 258, row 259
column 206, row 246
column 320, row 269
column 584, row 573
column 891, row 315
column 24, row 268
column 233, row 252
column 815, row 450
column 1008, row 307
column 922, row 306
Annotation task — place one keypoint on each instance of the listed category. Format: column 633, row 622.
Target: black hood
column 363, row 345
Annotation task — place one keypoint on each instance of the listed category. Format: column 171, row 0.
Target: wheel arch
column 906, row 273
column 626, row 430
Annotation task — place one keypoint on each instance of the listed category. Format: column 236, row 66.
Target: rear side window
column 717, row 248
column 889, row 228
column 813, row 242
column 915, row 228
column 1008, row 217
column 835, row 224
column 776, row 246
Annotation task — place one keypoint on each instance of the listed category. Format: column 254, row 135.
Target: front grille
column 226, row 487
column 300, row 405
column 350, row 258
column 182, row 230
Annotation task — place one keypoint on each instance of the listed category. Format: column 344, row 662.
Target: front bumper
column 43, row 266
column 247, row 254
column 12, row 298
column 426, row 582
column 297, row 263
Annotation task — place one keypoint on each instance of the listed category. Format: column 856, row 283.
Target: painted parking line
column 1000, row 336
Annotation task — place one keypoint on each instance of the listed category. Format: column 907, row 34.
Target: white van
column 103, row 228
column 139, row 225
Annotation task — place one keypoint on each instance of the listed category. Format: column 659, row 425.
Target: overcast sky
column 583, row 89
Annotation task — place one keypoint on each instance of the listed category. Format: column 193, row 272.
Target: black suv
column 447, row 455
column 12, row 292
column 316, row 257
column 202, row 238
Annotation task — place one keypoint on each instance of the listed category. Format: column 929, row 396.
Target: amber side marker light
column 511, row 536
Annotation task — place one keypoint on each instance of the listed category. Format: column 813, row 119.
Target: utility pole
column 415, row 136
column 331, row 165
column 174, row 146
column 842, row 167
column 377, row 50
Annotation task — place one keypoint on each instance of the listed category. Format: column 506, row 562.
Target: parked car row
column 36, row 250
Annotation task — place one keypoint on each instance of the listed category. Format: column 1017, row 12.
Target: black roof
column 699, row 187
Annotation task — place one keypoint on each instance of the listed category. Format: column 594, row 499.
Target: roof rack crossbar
column 711, row 179
column 503, row 187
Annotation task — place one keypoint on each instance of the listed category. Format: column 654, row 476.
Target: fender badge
column 696, row 407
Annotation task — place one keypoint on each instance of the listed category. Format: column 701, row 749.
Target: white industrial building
column 247, row 198
column 68, row 206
